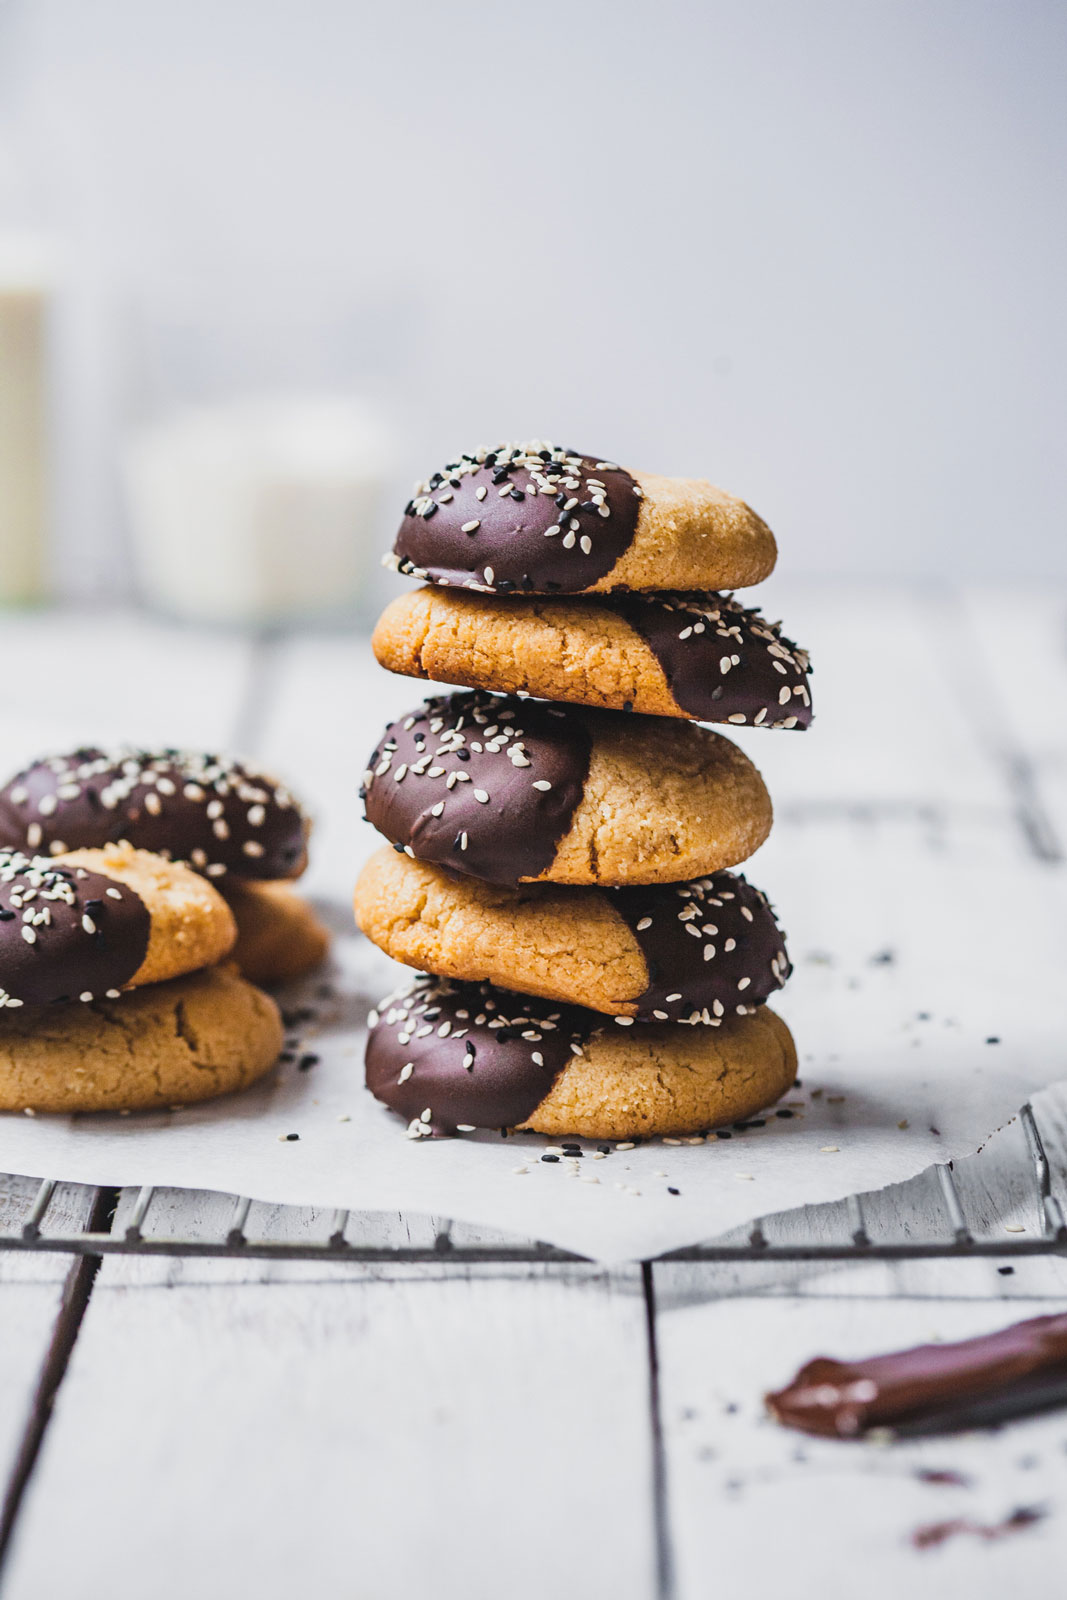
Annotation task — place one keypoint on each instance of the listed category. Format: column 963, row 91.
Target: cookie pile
column 232, row 823
column 129, row 876
column 563, row 830
column 112, row 995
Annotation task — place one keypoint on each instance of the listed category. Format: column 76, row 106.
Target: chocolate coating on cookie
column 722, row 662
column 214, row 812
column 523, row 517
column 712, row 947
column 485, row 784
column 66, row 933
column 451, row 1056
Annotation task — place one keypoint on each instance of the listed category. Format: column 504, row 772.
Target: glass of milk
column 256, row 511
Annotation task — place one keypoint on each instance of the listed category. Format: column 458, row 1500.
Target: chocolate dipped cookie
column 92, row 923
column 217, row 813
column 452, row 1057
column 172, row 1043
column 279, row 937
column 703, row 656
column 517, row 791
column 537, row 519
column 681, row 952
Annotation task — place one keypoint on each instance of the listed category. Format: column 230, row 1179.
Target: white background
column 812, row 250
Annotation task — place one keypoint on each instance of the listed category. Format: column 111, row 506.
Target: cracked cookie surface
column 168, row 1044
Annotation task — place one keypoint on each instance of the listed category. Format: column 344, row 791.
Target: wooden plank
column 294, row 1429
column 841, row 1517
column 1021, row 635
column 33, row 1291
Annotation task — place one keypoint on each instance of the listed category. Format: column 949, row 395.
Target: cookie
column 169, row 1044
column 450, row 1057
column 216, row 813
column 94, row 922
column 516, row 791
column 535, row 519
column 279, row 937
column 680, row 952
column 679, row 655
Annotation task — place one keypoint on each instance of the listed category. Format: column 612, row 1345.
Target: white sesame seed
column 481, row 796
column 251, row 847
column 113, row 894
column 470, row 527
column 542, row 784
column 489, row 574
column 29, row 935
column 645, row 922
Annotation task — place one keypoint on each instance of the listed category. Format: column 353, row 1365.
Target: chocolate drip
column 528, row 517
column 213, row 812
column 485, row 784
column 722, row 663
column 933, row 1387
column 712, row 947
column 455, row 1056
column 65, row 933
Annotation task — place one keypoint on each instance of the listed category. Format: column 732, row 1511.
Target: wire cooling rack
column 341, row 1242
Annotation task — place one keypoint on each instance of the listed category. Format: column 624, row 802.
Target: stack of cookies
column 562, row 832
column 129, row 878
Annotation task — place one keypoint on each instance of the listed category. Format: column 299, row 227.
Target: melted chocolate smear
column 933, row 1534
column 723, row 663
column 484, row 784
column 65, row 933
column 456, row 1055
column 210, row 811
column 526, row 518
column 712, row 947
column 933, row 1388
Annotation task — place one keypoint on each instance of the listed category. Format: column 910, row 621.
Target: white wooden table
column 223, row 1426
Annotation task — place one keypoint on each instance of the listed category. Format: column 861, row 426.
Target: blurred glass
column 255, row 511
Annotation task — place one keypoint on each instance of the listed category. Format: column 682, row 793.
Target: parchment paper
column 903, row 975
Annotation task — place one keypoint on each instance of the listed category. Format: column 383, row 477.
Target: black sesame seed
column 7, row 916
column 550, row 1158
column 605, row 1149
column 1005, row 1272
column 502, row 474
column 409, row 509
column 517, row 494
column 462, row 755
column 430, row 511
column 785, row 1115
column 399, row 848
column 993, row 1039
column 673, row 1191
column 721, row 1133
column 306, row 1063
column 291, row 1136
